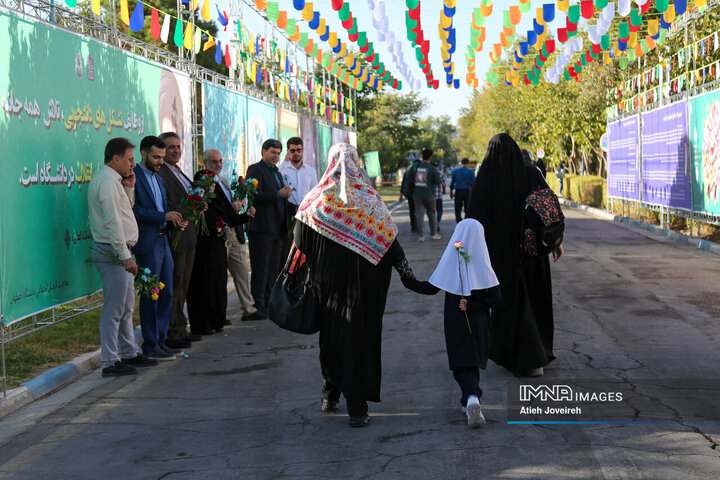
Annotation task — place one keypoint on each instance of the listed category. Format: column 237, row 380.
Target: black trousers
column 461, row 202
column 411, row 208
column 265, row 249
column 469, row 380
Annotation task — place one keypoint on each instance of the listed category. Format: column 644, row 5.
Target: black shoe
column 140, row 360
column 118, row 370
column 255, row 316
column 192, row 338
column 360, row 421
column 179, row 344
column 330, row 406
column 227, row 322
column 170, row 351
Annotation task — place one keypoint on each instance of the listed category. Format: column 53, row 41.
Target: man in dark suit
column 153, row 249
column 177, row 185
column 267, row 229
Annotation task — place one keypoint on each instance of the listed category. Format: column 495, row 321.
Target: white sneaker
column 474, row 414
column 437, row 236
column 421, row 239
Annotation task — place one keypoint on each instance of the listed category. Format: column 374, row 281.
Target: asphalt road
column 246, row 403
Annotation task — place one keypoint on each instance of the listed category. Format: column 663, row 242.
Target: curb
column 53, row 379
column 678, row 238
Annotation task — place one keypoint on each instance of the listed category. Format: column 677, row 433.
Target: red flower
column 240, row 179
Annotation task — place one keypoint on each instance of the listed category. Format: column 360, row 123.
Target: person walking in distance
column 426, row 177
column 460, row 185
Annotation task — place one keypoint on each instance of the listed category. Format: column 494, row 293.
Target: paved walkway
column 245, row 404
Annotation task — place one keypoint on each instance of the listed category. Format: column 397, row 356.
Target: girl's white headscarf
column 477, row 274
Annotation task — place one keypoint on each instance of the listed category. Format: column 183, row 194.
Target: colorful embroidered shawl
column 348, row 211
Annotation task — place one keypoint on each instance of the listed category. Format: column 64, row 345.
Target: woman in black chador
column 349, row 238
column 521, row 326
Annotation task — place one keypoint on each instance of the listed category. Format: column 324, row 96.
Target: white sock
column 473, row 399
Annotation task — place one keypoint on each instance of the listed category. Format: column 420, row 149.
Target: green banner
column 705, row 152
column 63, row 97
column 372, row 164
column 324, row 143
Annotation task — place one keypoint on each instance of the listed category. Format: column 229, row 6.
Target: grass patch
column 37, row 352
column 389, row 193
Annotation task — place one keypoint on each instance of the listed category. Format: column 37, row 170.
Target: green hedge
column 586, row 189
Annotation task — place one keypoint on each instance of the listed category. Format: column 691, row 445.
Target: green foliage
column 586, row 189
column 390, row 124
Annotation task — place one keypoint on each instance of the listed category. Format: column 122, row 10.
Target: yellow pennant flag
column 124, row 14
column 210, row 43
column 189, row 37
column 205, row 11
column 96, row 7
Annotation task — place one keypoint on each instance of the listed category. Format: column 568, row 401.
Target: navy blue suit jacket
column 151, row 221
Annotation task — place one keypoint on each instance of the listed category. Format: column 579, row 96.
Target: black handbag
column 292, row 302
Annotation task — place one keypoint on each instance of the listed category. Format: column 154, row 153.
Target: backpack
column 543, row 223
column 407, row 188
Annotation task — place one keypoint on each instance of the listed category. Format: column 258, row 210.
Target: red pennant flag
column 588, row 57
column 596, row 49
column 337, row 5
column 425, row 47
column 562, row 35
column 571, row 27
column 420, row 37
column 571, row 71
column 348, row 24
column 353, row 37
column 228, row 60
column 550, row 46
column 414, row 13
column 645, row 8
column 155, row 24
column 587, row 9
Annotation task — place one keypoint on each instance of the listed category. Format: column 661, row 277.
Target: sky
column 444, row 100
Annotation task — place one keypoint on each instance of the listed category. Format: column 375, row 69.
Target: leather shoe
column 255, row 316
column 360, row 421
column 329, row 406
column 178, row 344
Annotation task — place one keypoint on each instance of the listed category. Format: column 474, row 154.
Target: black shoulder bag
column 292, row 302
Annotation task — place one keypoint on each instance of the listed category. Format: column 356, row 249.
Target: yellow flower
column 161, row 285
column 255, row 182
column 154, row 296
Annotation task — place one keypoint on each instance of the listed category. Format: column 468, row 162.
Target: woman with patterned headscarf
column 349, row 238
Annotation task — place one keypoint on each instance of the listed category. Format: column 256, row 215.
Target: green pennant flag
column 178, row 37
column 573, row 15
column 605, row 42
column 303, row 42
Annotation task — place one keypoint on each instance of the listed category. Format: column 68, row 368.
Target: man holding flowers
column 177, row 185
column 114, row 230
column 268, row 227
column 153, row 248
column 207, row 297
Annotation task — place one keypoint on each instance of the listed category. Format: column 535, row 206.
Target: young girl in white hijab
column 471, row 289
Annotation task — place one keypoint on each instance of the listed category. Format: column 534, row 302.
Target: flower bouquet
column 147, row 284
column 144, row 281
column 223, row 231
column 191, row 209
column 462, row 255
column 207, row 183
column 244, row 188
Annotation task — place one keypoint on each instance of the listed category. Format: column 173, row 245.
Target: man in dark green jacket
column 426, row 177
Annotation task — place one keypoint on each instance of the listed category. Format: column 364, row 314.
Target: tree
column 389, row 123
column 438, row 133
